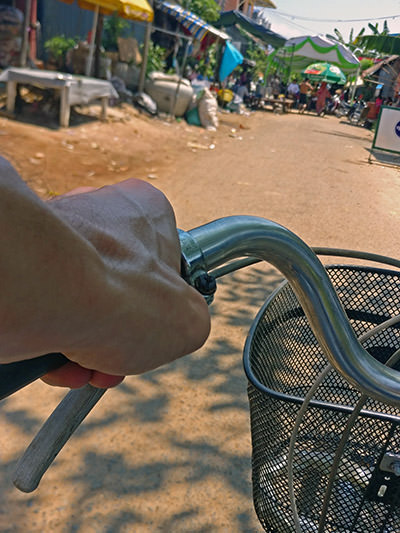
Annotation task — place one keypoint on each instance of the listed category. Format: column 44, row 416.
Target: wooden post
column 97, row 59
column 146, row 46
column 25, row 35
column 33, row 32
column 89, row 63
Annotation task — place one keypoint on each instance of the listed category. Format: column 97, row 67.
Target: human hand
column 138, row 313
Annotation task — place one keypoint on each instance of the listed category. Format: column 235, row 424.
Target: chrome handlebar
column 204, row 249
column 213, row 244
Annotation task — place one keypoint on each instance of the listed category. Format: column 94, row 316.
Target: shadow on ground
column 200, row 462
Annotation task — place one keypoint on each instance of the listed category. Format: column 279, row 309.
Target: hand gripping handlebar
column 203, row 249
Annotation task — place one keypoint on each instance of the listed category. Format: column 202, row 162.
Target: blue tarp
column 230, row 60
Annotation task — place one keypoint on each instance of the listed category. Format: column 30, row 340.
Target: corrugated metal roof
column 194, row 24
column 377, row 66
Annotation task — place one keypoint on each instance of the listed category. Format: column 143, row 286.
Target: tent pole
column 291, row 63
column 92, row 42
column 173, row 102
column 354, row 85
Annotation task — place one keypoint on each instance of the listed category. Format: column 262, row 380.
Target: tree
column 361, row 44
column 352, row 42
column 375, row 30
column 208, row 10
column 382, row 44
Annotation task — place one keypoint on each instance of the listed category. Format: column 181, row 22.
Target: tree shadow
column 212, row 387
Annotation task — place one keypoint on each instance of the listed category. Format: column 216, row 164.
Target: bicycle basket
column 315, row 466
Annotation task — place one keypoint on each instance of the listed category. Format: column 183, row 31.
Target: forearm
column 46, row 270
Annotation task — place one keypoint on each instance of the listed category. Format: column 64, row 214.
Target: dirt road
column 170, row 451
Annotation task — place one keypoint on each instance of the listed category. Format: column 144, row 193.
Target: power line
column 298, row 25
column 311, row 19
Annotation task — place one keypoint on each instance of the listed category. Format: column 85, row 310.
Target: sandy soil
column 170, row 451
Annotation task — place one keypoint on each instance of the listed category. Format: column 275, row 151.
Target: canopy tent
column 130, row 9
column 233, row 18
column 299, row 52
column 196, row 26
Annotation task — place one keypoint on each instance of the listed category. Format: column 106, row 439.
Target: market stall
column 139, row 10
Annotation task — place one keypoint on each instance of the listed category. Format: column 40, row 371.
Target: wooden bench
column 285, row 103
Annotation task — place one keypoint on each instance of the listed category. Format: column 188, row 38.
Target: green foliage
column 375, row 30
column 208, row 10
column 207, row 65
column 114, row 27
column 156, row 58
column 365, row 63
column 358, row 44
column 58, row 46
column 258, row 55
column 351, row 42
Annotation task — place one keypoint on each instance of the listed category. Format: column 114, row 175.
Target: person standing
column 276, row 86
column 305, row 90
column 322, row 94
column 293, row 91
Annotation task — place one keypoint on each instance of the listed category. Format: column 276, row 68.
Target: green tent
column 237, row 18
column 299, row 52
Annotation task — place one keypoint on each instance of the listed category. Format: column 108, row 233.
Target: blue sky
column 339, row 10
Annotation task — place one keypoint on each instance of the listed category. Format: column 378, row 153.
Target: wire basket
column 325, row 458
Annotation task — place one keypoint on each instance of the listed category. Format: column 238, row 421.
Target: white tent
column 299, row 52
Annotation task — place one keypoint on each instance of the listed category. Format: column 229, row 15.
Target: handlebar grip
column 15, row 376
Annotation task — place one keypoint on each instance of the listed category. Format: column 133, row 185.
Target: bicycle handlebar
column 225, row 239
column 208, row 247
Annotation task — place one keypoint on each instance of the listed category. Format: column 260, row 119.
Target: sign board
column 387, row 133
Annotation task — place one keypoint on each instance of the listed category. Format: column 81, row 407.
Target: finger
column 69, row 375
column 75, row 376
column 104, row 381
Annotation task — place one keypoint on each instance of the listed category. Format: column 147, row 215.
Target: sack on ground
column 208, row 107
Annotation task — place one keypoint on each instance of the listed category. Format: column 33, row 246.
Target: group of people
column 305, row 95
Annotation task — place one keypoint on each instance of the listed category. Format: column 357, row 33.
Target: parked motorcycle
column 358, row 114
column 343, row 109
column 332, row 105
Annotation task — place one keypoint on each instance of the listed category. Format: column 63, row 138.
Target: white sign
column 387, row 135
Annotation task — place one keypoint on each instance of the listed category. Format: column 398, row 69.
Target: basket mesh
column 284, row 356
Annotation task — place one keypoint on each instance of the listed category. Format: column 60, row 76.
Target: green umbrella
column 324, row 72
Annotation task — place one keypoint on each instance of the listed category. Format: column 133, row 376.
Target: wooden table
column 286, row 103
column 74, row 90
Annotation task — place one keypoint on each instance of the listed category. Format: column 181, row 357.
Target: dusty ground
column 170, row 451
